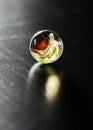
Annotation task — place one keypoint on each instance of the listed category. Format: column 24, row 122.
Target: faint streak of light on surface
column 32, row 71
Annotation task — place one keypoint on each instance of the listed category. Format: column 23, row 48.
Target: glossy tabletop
column 45, row 97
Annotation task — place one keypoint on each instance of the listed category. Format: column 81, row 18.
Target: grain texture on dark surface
column 25, row 103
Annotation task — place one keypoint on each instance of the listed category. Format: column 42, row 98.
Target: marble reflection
column 45, row 79
column 52, row 87
column 52, row 96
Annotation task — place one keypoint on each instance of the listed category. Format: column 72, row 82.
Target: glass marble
column 46, row 46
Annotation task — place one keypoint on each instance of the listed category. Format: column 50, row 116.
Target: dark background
column 23, row 104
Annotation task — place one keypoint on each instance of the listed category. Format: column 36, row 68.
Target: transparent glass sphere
column 46, row 46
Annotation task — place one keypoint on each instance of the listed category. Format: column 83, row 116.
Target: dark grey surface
column 23, row 101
